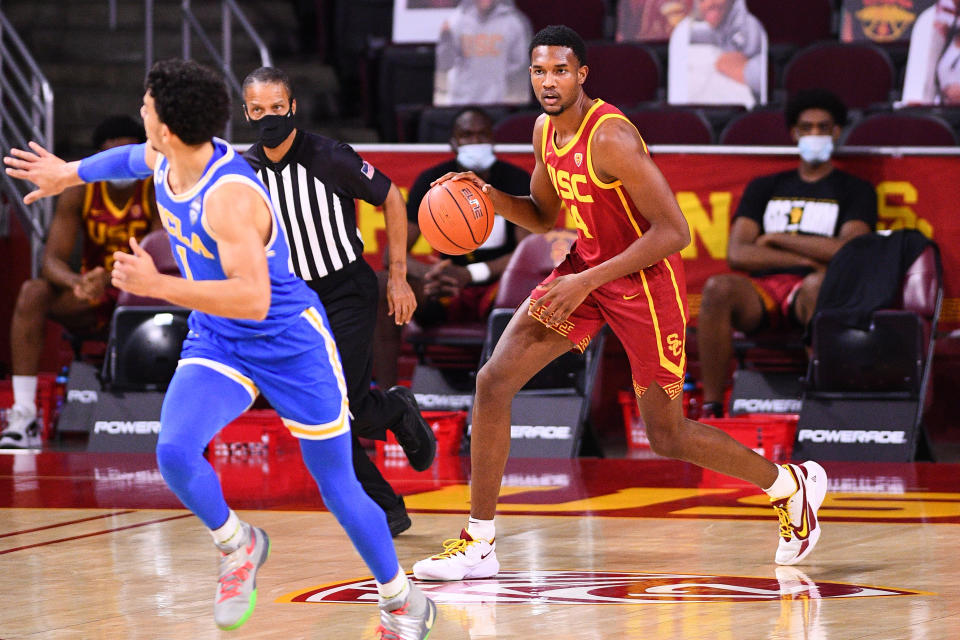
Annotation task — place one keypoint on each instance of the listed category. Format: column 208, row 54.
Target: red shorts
column 646, row 310
column 777, row 292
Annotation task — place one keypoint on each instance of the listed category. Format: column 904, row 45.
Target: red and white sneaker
column 461, row 558
column 799, row 527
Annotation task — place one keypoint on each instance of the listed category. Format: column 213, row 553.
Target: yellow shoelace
column 452, row 547
column 786, row 529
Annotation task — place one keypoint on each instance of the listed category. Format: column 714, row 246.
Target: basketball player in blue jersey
column 255, row 327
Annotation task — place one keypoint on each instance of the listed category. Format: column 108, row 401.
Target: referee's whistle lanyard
column 272, row 130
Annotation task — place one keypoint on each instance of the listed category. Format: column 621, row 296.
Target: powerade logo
column 540, row 432
column 766, row 405
column 83, row 396
column 852, row 436
column 444, row 402
column 127, row 427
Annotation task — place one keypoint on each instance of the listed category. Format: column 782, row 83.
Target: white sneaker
column 460, row 559
column 22, row 432
column 799, row 527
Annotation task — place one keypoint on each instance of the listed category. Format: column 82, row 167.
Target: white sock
column 783, row 486
column 481, row 529
column 25, row 393
column 230, row 535
column 395, row 587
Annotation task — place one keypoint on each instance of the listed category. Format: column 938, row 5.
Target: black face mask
column 273, row 130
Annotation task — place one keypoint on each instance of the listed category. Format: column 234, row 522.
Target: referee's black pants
column 350, row 299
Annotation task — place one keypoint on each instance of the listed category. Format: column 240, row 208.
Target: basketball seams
column 434, row 218
column 460, row 209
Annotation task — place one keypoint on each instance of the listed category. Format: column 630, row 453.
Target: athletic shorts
column 777, row 292
column 298, row 371
column 646, row 310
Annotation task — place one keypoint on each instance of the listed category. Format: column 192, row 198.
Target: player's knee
column 492, row 381
column 34, row 295
column 663, row 439
column 175, row 461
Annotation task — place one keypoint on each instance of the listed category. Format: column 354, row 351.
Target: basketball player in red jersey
column 109, row 213
column 625, row 271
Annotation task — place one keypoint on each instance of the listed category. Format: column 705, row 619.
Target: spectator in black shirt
column 313, row 182
column 786, row 229
column 456, row 288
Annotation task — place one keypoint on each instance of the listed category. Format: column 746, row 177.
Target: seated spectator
column 786, row 229
column 880, row 21
column 932, row 76
column 456, row 288
column 109, row 214
column 649, row 20
column 718, row 56
column 482, row 55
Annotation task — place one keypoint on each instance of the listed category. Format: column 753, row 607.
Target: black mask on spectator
column 273, row 130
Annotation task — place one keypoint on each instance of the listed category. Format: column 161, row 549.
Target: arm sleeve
column 356, row 177
column 117, row 163
column 753, row 203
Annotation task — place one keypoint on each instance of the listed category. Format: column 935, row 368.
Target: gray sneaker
column 408, row 617
column 22, row 432
column 237, row 586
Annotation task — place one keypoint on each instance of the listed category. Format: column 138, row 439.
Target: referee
column 313, row 182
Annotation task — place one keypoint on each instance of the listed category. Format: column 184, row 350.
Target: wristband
column 117, row 163
column 479, row 272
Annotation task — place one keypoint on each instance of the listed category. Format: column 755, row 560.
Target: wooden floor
column 94, row 546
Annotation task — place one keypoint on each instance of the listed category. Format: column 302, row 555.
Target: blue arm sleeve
column 128, row 161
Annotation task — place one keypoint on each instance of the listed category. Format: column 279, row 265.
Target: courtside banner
column 914, row 192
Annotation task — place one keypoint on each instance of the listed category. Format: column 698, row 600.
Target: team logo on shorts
column 602, row 587
column 675, row 344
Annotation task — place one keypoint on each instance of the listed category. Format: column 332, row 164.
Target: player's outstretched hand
column 50, row 173
column 134, row 272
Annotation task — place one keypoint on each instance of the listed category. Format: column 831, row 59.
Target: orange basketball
column 455, row 217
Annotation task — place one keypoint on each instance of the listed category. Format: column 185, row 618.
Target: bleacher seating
column 671, row 125
column 901, row 129
column 611, row 63
column 860, row 74
column 759, row 127
column 586, row 16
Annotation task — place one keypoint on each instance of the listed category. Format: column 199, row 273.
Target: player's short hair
column 118, row 126
column 815, row 99
column 560, row 35
column 269, row 75
column 191, row 99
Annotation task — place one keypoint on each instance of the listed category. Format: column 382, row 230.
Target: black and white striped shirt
column 313, row 188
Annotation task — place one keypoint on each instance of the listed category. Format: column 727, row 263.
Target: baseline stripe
column 96, row 533
column 67, row 523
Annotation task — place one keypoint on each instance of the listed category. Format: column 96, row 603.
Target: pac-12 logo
column 603, row 587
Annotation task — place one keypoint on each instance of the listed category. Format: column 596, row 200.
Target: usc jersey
column 108, row 227
column 647, row 310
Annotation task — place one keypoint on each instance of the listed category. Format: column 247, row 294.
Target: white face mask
column 122, row 184
column 815, row 149
column 476, row 157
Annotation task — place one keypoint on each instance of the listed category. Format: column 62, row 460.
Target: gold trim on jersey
column 674, row 389
column 593, row 176
column 675, row 369
column 583, row 124
column 228, row 371
column 332, row 429
column 117, row 212
column 628, row 211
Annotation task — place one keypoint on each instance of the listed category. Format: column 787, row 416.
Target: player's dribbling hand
column 42, row 168
column 134, row 272
column 563, row 295
column 466, row 175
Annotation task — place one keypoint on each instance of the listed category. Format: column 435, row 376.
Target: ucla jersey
column 195, row 247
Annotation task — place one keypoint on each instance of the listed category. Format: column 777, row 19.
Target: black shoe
column 398, row 520
column 413, row 433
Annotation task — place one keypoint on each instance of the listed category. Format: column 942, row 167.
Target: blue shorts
column 298, row 371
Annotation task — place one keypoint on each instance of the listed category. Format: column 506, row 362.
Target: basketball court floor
column 95, row 546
